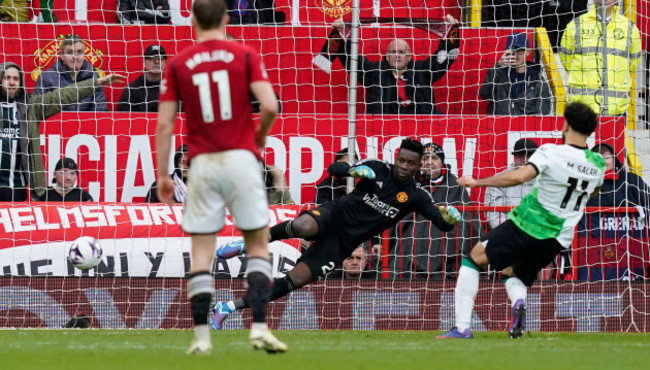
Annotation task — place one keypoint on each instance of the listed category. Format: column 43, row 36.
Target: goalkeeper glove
column 450, row 214
column 364, row 172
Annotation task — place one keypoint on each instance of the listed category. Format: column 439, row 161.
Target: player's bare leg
column 259, row 278
column 199, row 291
column 466, row 289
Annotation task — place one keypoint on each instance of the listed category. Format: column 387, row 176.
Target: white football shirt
column 567, row 175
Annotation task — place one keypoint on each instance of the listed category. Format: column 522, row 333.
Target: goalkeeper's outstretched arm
column 341, row 169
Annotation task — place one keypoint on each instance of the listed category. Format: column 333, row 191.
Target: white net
column 459, row 91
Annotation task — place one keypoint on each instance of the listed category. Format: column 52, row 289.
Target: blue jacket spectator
column 72, row 67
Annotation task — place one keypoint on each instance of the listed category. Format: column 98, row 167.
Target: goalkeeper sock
column 466, row 289
column 259, row 287
column 281, row 287
column 516, row 289
column 199, row 291
column 281, row 231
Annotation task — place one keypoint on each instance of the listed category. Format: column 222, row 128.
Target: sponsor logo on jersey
column 334, row 8
column 379, row 206
column 315, row 213
column 402, row 197
column 45, row 56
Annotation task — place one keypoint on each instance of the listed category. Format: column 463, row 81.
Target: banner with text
column 138, row 240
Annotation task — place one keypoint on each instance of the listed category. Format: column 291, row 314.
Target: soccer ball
column 85, row 253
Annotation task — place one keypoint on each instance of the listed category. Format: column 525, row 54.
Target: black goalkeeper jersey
column 375, row 205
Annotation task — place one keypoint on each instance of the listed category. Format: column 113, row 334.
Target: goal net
column 445, row 98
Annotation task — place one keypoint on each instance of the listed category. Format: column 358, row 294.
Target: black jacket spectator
column 74, row 195
column 382, row 93
column 140, row 96
column 144, row 12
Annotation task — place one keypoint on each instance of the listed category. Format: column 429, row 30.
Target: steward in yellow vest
column 581, row 53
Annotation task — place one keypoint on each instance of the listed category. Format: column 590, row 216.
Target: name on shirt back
column 207, row 56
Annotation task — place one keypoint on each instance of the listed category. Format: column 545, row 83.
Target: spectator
column 254, row 12
column 66, row 173
column 398, row 84
column 514, row 86
column 72, row 67
column 418, row 249
column 581, row 54
column 510, row 196
column 181, row 169
column 143, row 11
column 615, row 245
column 354, row 267
column 276, row 186
column 21, row 164
column 15, row 11
column 333, row 187
column 142, row 94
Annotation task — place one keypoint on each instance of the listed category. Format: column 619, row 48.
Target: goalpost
column 140, row 282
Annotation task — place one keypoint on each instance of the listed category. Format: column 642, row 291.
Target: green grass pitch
column 332, row 350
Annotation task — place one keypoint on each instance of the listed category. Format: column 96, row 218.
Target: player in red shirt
column 214, row 79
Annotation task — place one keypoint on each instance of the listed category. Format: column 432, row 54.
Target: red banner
column 137, row 240
column 328, row 305
column 115, row 151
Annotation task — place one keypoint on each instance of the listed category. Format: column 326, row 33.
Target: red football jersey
column 212, row 80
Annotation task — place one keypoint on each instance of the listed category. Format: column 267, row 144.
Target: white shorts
column 230, row 179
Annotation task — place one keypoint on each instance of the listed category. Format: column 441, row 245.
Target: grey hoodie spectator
column 22, row 113
column 72, row 67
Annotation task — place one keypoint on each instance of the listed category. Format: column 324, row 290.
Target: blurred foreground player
column 541, row 226
column 384, row 195
column 214, row 79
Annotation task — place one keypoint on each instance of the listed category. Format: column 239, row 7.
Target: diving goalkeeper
column 384, row 195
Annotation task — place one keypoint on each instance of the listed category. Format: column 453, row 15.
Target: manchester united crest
column 45, row 56
column 402, row 197
column 334, row 8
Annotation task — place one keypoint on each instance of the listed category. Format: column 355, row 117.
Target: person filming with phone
column 514, row 86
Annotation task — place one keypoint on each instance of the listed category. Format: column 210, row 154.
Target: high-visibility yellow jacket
column 581, row 53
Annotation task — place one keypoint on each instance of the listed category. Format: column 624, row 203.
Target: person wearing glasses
column 71, row 68
column 142, row 94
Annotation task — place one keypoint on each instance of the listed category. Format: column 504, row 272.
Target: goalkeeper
column 384, row 195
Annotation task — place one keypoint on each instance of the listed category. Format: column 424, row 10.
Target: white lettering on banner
column 65, row 221
column 160, row 215
column 41, row 224
column 94, row 212
column 5, row 220
column 306, row 153
column 296, row 176
column 622, row 223
column 111, row 213
column 110, row 172
column 139, row 151
column 19, row 218
column 81, row 10
column 144, row 218
column 279, row 152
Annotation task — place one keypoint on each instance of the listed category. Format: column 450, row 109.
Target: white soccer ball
column 85, row 253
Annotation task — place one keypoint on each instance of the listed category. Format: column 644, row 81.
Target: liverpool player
column 384, row 195
column 214, row 80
